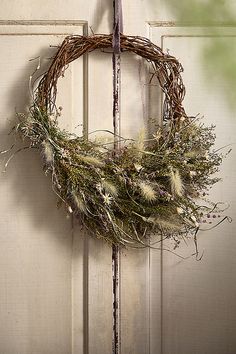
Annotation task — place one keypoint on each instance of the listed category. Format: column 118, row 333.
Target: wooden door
column 55, row 281
column 198, row 310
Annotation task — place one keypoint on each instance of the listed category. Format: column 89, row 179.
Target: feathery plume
column 79, row 203
column 147, row 191
column 193, row 153
column 91, row 160
column 165, row 223
column 48, row 152
column 176, row 183
column 139, row 144
column 109, row 188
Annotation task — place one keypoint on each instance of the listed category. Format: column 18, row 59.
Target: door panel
column 198, row 308
column 35, row 252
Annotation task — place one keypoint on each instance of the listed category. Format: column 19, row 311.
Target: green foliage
column 217, row 56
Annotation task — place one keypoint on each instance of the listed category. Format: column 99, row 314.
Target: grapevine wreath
column 154, row 186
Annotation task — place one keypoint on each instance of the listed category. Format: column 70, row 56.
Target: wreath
column 146, row 187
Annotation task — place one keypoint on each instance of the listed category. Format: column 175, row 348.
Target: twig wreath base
column 154, row 186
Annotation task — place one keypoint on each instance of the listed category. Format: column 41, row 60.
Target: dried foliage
column 154, row 186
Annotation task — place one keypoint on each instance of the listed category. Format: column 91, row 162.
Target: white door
column 55, row 281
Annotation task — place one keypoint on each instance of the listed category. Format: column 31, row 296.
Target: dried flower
column 138, row 167
column 107, row 198
column 192, row 173
column 158, row 134
column 180, row 210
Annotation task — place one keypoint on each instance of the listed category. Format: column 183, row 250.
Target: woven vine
column 155, row 186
